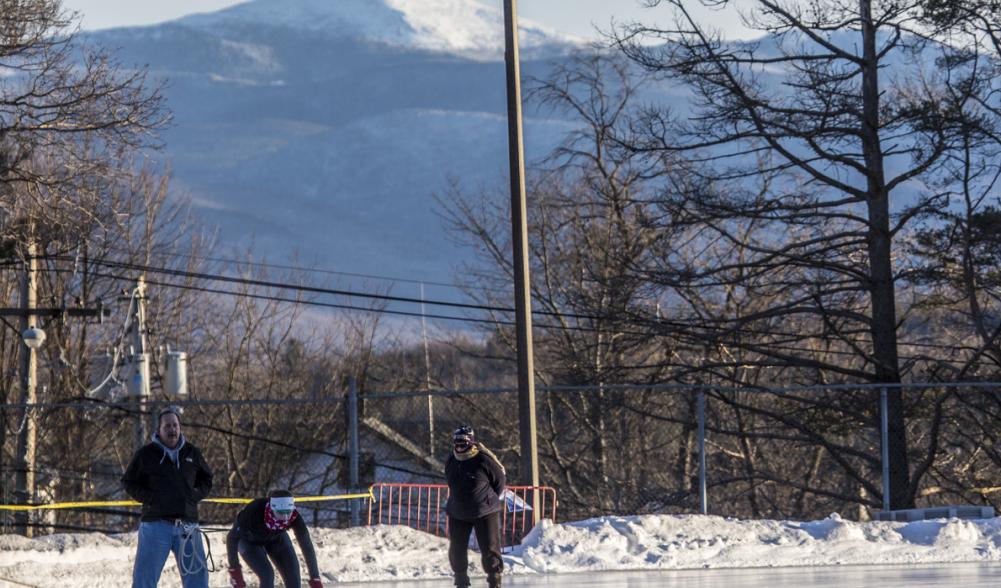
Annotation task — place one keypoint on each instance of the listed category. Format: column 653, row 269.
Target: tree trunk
column 882, row 298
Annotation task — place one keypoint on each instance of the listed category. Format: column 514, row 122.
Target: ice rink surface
column 917, row 576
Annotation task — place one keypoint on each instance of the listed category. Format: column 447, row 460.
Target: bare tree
column 848, row 136
column 69, row 117
column 588, row 203
column 63, row 100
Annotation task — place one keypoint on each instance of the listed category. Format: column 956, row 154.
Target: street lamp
column 33, row 337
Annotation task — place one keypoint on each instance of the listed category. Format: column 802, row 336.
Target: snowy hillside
column 323, row 128
column 462, row 27
column 652, row 542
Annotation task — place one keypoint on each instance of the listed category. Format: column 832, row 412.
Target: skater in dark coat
column 260, row 534
column 476, row 480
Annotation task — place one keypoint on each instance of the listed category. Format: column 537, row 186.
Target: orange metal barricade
column 422, row 507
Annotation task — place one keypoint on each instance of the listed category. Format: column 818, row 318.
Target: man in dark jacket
column 169, row 476
column 476, row 480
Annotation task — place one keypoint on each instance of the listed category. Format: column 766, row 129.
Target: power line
column 382, row 297
column 491, row 322
column 285, row 286
column 302, row 269
column 338, row 292
column 271, row 298
column 682, row 326
column 366, row 295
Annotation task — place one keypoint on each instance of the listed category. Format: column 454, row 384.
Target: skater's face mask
column 282, row 507
column 462, row 444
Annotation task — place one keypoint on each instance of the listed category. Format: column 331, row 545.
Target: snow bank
column 679, row 542
column 653, row 542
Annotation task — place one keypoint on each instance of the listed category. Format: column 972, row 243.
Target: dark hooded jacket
column 475, row 485
column 250, row 527
column 168, row 489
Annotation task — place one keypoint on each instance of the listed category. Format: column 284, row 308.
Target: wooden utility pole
column 32, row 337
column 138, row 359
column 24, row 466
column 519, row 239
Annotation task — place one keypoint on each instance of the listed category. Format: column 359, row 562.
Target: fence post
column 884, row 428
column 353, row 450
column 703, row 498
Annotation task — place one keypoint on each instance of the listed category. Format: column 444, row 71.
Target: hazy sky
column 577, row 17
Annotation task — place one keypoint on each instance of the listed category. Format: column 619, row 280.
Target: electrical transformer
column 137, row 381
column 175, row 379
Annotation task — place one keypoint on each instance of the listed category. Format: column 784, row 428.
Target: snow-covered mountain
column 461, row 27
column 324, row 127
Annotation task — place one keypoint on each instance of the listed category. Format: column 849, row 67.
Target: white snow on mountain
column 650, row 542
column 460, row 27
column 322, row 130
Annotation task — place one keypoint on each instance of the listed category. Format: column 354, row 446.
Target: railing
column 419, row 506
column 516, row 520
column 422, row 507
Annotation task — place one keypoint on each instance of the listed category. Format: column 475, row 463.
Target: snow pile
column 461, row 27
column 652, row 542
column 684, row 542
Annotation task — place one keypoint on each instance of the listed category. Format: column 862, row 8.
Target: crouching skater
column 260, row 534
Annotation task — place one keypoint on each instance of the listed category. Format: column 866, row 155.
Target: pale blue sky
column 577, row 17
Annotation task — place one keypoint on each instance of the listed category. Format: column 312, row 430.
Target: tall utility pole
column 427, row 377
column 24, row 480
column 354, row 451
column 519, row 239
column 138, row 359
column 32, row 337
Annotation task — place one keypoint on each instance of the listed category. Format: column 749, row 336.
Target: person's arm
column 495, row 471
column 203, row 478
column 233, row 557
column 232, row 548
column 500, row 479
column 450, row 472
column 134, row 480
column 306, row 546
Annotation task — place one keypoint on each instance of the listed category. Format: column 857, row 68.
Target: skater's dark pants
column 279, row 551
column 487, row 536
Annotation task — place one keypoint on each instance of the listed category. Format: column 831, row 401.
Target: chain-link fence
column 782, row 452
column 789, row 453
column 82, row 449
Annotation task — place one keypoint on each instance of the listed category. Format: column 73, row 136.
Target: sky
column 576, row 17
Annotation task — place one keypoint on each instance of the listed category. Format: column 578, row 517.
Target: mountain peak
column 462, row 27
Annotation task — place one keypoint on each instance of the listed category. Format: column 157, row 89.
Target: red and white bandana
column 281, row 516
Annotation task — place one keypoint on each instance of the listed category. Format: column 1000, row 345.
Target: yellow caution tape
column 64, row 505
column 69, row 505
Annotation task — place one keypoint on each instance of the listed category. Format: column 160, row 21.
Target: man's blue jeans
column 156, row 540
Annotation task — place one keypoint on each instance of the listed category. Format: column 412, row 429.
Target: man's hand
column 315, row 583
column 236, row 578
